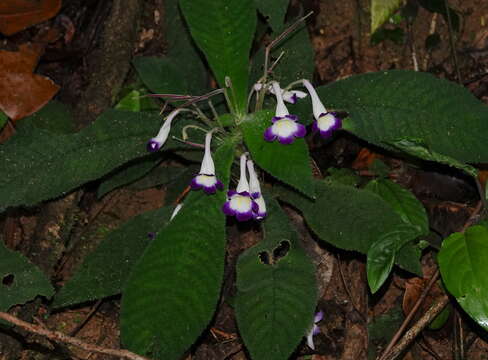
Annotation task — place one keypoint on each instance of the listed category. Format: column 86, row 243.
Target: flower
column 255, row 190
column 176, row 211
column 206, row 178
column 157, row 142
column 285, row 126
column 239, row 202
column 315, row 329
column 290, row 96
column 325, row 122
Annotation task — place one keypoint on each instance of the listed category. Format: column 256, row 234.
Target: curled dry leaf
column 21, row 91
column 17, row 15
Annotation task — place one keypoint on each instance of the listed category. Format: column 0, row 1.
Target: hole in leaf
column 8, row 280
column 281, row 250
column 264, row 257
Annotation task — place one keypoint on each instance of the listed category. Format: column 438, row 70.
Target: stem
column 451, row 43
column 59, row 337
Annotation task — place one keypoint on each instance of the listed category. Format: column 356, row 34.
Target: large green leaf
column 54, row 116
column 381, row 255
column 274, row 11
column 350, row 218
column 21, row 280
column 403, row 202
column 381, row 10
column 388, row 106
column 288, row 163
column 105, row 271
column 297, row 61
column 38, row 165
column 462, row 262
column 172, row 292
column 224, row 30
column 276, row 290
column 128, row 173
column 170, row 74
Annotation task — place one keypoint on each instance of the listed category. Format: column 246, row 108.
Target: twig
column 348, row 291
column 62, row 338
column 451, row 43
column 86, row 319
column 411, row 334
column 409, row 317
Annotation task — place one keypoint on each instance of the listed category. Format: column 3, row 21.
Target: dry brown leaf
column 21, row 91
column 17, row 15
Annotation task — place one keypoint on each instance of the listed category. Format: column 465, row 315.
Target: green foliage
column 58, row 163
column 224, row 30
column 403, row 202
column 104, row 272
column 381, row 10
column 350, row 218
column 3, row 119
column 288, row 163
column 274, row 11
column 388, row 106
column 172, row 292
column 462, row 262
column 417, row 149
column 276, row 290
column 170, row 74
column 54, row 116
column 381, row 255
column 128, row 173
column 21, row 280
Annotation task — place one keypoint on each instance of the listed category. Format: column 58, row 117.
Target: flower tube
column 285, row 127
column 255, row 190
column 315, row 329
column 239, row 202
column 325, row 122
column 289, row 96
column 206, row 178
column 157, row 142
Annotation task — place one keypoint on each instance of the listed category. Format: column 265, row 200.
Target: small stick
column 59, row 337
column 412, row 333
column 410, row 315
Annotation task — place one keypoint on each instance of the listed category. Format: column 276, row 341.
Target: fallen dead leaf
column 21, row 91
column 17, row 15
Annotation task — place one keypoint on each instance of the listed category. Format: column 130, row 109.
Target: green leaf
column 381, row 255
column 172, row 292
column 128, row 173
column 403, row 202
column 288, row 163
column 3, row 119
column 381, row 10
column 387, row 106
column 297, row 61
column 277, row 291
column 274, row 11
column 224, row 30
column 38, row 165
column 130, row 102
column 54, row 116
column 21, row 280
column 170, row 74
column 350, row 218
column 462, row 262
column 416, row 148
column 104, row 272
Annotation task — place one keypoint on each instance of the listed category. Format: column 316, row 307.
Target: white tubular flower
column 285, row 127
column 176, row 211
column 255, row 190
column 315, row 329
column 325, row 122
column 206, row 178
column 239, row 202
column 290, row 96
column 157, row 142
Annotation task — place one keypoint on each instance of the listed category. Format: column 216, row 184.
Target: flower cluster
column 246, row 201
column 286, row 127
